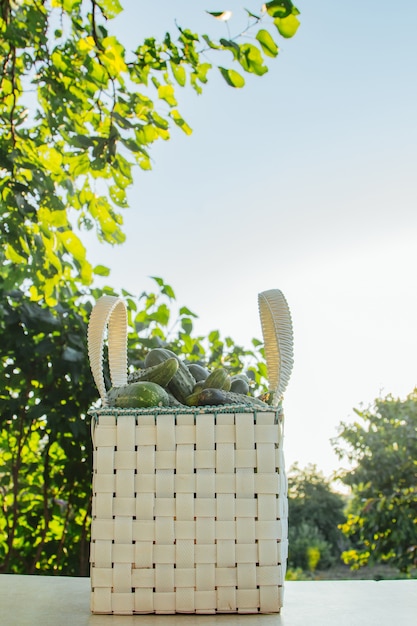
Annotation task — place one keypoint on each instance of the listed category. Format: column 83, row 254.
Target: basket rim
column 185, row 410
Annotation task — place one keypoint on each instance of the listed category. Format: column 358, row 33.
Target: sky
column 304, row 181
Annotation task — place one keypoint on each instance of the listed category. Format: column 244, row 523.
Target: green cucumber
column 173, row 400
column 182, row 383
column 215, row 397
column 198, row 371
column 240, row 384
column 198, row 386
column 138, row 395
column 160, row 373
column 218, row 379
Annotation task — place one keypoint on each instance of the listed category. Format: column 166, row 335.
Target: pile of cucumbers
column 165, row 380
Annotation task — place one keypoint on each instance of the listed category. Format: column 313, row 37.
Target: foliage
column 341, row 571
column 314, row 511
column 46, row 391
column 156, row 322
column 382, row 447
column 78, row 111
column 307, row 548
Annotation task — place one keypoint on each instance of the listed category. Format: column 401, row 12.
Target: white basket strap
column 278, row 340
column 109, row 311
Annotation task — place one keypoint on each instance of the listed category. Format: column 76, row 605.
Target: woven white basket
column 189, row 510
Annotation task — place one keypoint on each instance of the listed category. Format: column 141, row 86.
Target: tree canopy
column 79, row 111
column 315, row 512
column 382, row 517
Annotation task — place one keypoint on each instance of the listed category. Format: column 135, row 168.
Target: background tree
column 77, row 109
column 382, row 447
column 77, row 113
column 314, row 512
column 45, row 455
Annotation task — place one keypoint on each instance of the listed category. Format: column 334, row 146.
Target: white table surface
column 63, row 601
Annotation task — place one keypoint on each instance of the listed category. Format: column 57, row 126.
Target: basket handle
column 109, row 312
column 278, row 340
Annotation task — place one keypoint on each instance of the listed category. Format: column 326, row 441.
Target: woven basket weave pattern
column 189, row 512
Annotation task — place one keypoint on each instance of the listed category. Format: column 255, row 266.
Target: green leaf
column 168, row 291
column 118, row 195
column 251, row 59
column 161, row 315
column 185, row 311
column 187, row 325
column 158, row 121
column 211, row 43
column 101, row 211
column 101, row 270
column 110, row 8
column 262, row 369
column 67, row 5
column 125, row 169
column 144, row 162
column 223, row 16
column 287, row 26
column 165, row 288
column 178, row 119
column 113, row 56
column 72, row 245
column 122, row 120
column 268, row 45
column 231, row 45
column 179, row 73
column 166, row 92
column 12, row 255
column 188, row 342
column 279, row 8
column 214, row 336
column 232, row 78
column 50, row 157
column 250, row 14
column 199, row 75
column 79, row 164
column 58, row 219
